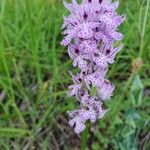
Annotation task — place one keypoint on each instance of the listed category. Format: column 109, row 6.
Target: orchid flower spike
column 90, row 32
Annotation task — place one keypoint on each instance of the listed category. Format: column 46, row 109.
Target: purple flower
column 90, row 32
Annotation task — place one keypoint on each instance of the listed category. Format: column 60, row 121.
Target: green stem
column 144, row 28
column 84, row 137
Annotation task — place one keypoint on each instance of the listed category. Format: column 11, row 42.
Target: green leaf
column 13, row 132
column 137, row 84
column 132, row 114
column 93, row 91
column 136, row 92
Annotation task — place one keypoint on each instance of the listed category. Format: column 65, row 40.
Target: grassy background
column 34, row 78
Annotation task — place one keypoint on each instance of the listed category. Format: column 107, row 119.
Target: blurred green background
column 34, row 78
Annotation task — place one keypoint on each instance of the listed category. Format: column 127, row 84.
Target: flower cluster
column 90, row 32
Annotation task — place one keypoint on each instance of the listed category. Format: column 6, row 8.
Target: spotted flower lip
column 90, row 32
